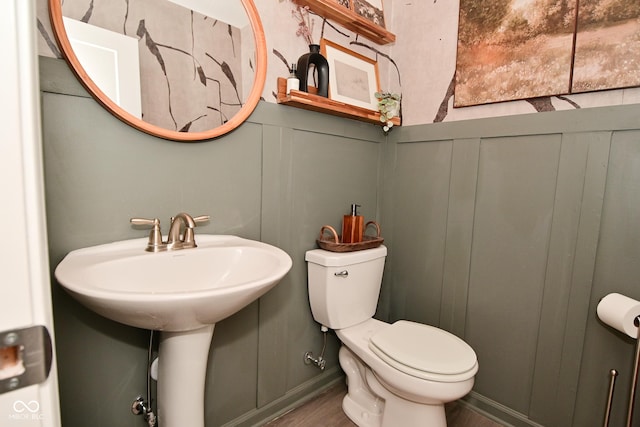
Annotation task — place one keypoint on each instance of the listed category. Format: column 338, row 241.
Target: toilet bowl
column 398, row 374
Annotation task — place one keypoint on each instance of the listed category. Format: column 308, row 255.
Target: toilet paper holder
column 634, row 378
column 612, row 384
column 622, row 325
column 634, row 385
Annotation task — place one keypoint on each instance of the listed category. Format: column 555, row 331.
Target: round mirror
column 185, row 70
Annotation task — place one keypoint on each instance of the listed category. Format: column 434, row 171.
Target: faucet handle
column 197, row 219
column 188, row 238
column 155, row 236
column 145, row 221
column 201, row 219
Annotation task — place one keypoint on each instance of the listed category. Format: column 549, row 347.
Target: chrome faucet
column 175, row 240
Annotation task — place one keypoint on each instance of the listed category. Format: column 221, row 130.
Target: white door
column 111, row 60
column 28, row 381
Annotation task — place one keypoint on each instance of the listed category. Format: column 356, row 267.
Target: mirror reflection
column 180, row 65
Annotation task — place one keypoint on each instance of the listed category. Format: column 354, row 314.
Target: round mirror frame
column 55, row 13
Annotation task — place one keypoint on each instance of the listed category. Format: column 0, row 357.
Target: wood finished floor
column 326, row 410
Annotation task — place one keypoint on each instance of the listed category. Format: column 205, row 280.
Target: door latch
column 25, row 357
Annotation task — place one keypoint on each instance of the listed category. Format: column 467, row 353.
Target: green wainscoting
column 505, row 231
column 278, row 178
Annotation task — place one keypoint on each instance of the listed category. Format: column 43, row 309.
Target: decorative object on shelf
column 315, row 62
column 363, row 17
column 334, row 243
column 354, row 78
column 370, row 10
column 292, row 82
column 389, row 107
column 305, row 23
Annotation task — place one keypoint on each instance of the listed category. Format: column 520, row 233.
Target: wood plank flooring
column 326, row 410
column 323, row 410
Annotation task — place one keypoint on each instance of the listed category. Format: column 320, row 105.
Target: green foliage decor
column 388, row 106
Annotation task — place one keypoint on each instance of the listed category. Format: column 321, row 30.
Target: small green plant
column 389, row 107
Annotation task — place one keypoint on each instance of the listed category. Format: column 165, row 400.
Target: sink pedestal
column 182, row 367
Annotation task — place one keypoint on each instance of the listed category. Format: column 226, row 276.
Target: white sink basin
column 182, row 293
column 172, row 291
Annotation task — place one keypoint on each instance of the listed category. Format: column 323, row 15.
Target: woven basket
column 333, row 243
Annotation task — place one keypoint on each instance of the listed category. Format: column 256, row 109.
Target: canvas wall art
column 521, row 49
column 607, row 45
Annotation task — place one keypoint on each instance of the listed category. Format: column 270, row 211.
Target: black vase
column 321, row 69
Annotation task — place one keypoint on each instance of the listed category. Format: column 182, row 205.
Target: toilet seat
column 424, row 351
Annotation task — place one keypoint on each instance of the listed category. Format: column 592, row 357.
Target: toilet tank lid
column 337, row 259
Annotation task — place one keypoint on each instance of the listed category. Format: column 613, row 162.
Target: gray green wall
column 278, row 178
column 505, row 231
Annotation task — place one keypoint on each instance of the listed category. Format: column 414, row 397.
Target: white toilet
column 398, row 374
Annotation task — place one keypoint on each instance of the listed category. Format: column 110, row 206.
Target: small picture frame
column 371, row 10
column 353, row 78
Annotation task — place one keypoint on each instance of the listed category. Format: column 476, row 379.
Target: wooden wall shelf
column 350, row 20
column 309, row 101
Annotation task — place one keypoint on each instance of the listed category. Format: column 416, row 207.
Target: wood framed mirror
column 183, row 70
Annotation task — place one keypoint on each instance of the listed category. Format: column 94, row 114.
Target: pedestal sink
column 181, row 293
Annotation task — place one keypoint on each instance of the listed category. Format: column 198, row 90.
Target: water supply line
column 140, row 406
column 319, row 361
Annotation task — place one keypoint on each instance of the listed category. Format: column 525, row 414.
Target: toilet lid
column 423, row 351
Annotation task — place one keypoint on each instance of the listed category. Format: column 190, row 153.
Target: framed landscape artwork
column 520, row 49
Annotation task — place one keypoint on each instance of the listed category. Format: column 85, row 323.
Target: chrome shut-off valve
column 140, row 407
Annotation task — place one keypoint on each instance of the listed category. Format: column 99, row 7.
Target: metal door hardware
column 25, row 357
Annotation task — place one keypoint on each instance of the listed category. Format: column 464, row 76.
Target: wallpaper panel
column 421, row 63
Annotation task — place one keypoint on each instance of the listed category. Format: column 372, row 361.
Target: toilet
column 398, row 374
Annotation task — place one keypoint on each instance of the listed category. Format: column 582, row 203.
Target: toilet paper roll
column 620, row 312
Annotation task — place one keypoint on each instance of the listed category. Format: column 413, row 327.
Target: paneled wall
column 507, row 232
column 278, row 178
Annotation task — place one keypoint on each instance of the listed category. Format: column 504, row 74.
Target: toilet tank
column 344, row 286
